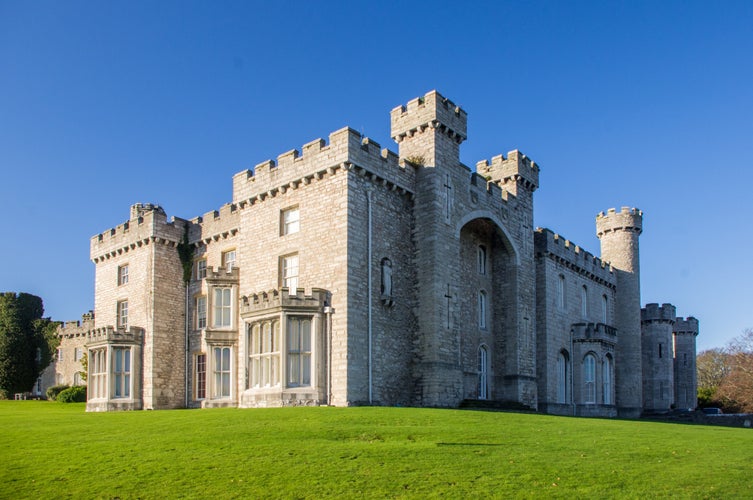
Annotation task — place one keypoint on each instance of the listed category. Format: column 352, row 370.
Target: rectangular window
column 264, row 354
column 223, row 308
column 60, row 354
column 290, row 221
column 290, row 272
column 584, row 302
column 123, row 314
column 299, row 352
column 123, row 274
column 221, row 367
column 77, row 354
column 201, row 269
column 228, row 260
column 201, row 312
column 98, row 373
column 201, row 376
column 604, row 309
column 121, row 372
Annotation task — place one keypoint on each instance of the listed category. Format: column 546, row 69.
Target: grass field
column 54, row 450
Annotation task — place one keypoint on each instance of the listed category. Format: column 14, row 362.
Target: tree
column 27, row 342
column 738, row 384
column 712, row 367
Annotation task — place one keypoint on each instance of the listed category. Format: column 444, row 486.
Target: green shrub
column 74, row 394
column 55, row 390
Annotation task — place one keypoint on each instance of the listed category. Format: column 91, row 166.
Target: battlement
column 627, row 219
column 517, row 168
column 110, row 335
column 347, row 150
column 687, row 326
column 215, row 225
column 430, row 111
column 278, row 299
column 220, row 273
column 547, row 242
column 593, row 331
column 147, row 223
column 654, row 312
column 70, row 329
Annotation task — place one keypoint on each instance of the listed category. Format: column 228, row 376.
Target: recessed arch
column 485, row 214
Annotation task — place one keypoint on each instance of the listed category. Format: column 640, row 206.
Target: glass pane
column 293, row 336
column 226, row 359
column 306, row 370
column 118, row 360
column 127, row 386
column 127, row 363
column 117, row 385
column 275, row 375
column 225, row 384
column 293, row 369
column 306, row 335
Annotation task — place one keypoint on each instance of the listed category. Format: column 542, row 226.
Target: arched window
column 584, row 302
column 589, row 379
column 483, row 373
column 482, row 309
column 561, row 292
column 482, row 259
column 604, row 309
column 607, row 376
column 562, row 377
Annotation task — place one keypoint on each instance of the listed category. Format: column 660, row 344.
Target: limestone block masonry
column 348, row 274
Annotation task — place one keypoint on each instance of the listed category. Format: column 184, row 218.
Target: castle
column 346, row 274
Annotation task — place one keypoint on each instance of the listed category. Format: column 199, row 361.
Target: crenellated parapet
column 147, row 225
column 516, row 168
column 654, row 313
column 432, row 111
column 563, row 251
column 72, row 329
column 109, row 335
column 221, row 275
column 282, row 299
column 589, row 332
column 686, row 326
column 317, row 160
column 627, row 219
column 215, row 225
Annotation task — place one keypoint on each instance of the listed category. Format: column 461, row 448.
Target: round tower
column 686, row 384
column 658, row 363
column 618, row 233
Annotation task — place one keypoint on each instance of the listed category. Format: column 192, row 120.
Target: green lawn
column 54, row 450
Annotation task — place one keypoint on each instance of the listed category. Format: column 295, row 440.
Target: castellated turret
column 618, row 233
column 658, row 370
column 429, row 130
column 685, row 331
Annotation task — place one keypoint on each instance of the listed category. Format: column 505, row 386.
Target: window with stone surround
column 589, row 379
column 122, row 311
column 481, row 257
column 97, row 373
column 289, row 272
column 482, row 309
column 201, row 312
column 221, row 372
column 299, row 351
column 290, row 221
column 561, row 292
column 201, row 376
column 604, row 309
column 264, row 354
column 584, row 302
column 223, row 307
column 121, row 360
column 562, row 361
column 77, row 354
column 228, row 260
column 122, row 274
column 201, row 269
column 60, row 354
column 607, row 379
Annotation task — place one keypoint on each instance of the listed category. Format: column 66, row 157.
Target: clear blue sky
column 647, row 104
